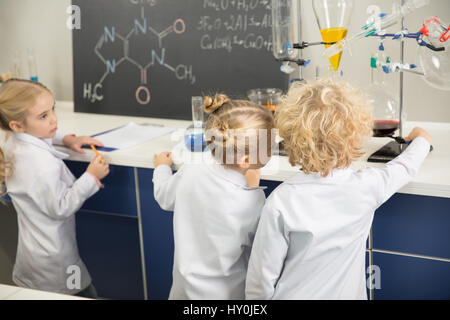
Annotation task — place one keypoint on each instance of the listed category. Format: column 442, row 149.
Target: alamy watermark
column 374, row 277
column 73, row 281
column 74, row 19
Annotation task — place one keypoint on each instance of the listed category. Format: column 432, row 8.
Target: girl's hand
column 162, row 158
column 75, row 143
column 419, row 132
column 253, row 177
column 98, row 167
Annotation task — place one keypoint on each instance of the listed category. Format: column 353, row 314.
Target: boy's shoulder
column 283, row 191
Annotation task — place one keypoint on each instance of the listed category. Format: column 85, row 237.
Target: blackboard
column 148, row 57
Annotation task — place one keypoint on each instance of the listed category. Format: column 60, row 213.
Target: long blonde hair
column 324, row 125
column 244, row 118
column 16, row 97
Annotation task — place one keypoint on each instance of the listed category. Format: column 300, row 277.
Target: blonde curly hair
column 324, row 125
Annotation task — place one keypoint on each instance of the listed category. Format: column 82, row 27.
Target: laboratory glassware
column 194, row 137
column 283, row 32
column 384, row 21
column 266, row 97
column 333, row 18
column 385, row 104
column 32, row 66
column 436, row 63
column 197, row 111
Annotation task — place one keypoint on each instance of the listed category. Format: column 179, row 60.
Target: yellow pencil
column 101, row 161
column 96, row 152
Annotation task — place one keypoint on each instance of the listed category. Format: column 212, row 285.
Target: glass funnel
column 333, row 18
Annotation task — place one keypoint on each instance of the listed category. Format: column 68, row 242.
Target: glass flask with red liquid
column 384, row 102
column 386, row 108
column 385, row 127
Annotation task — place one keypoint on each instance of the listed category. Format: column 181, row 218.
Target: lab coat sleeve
column 164, row 186
column 401, row 170
column 268, row 254
column 59, row 200
column 58, row 138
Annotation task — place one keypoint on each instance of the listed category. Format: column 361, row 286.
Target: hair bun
column 210, row 105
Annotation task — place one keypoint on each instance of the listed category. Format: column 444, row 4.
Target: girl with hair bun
column 217, row 203
column 44, row 192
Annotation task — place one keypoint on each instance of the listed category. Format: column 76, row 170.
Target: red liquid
column 385, row 128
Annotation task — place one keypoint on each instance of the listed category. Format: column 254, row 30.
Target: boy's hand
column 75, row 143
column 419, row 132
column 162, row 158
column 253, row 177
column 98, row 167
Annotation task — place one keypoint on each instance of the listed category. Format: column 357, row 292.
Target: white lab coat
column 215, row 218
column 46, row 195
column 311, row 238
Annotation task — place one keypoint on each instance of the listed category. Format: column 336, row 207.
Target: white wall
column 41, row 24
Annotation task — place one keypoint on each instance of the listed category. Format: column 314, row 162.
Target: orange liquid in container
column 334, row 35
column 270, row 106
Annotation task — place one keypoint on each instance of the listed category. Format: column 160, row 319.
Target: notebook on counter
column 130, row 135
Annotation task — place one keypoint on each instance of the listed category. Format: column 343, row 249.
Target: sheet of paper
column 131, row 135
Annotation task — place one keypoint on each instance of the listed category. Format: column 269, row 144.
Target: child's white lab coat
column 311, row 238
column 215, row 218
column 46, row 195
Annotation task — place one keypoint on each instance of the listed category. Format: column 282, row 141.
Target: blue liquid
column 195, row 142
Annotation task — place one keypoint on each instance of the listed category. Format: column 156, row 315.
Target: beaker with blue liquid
column 194, row 138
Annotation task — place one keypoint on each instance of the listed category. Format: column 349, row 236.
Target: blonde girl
column 216, row 209
column 311, row 238
column 43, row 191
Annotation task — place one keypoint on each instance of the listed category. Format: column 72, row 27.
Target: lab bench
column 126, row 239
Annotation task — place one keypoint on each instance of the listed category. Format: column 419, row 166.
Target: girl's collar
column 40, row 143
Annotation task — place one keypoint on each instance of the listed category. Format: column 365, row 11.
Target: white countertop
column 8, row 292
column 433, row 178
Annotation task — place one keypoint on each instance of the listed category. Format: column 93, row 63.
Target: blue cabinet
column 413, row 224
column 119, row 194
column 158, row 239
column 109, row 246
column 108, row 235
column 406, row 277
column 411, row 245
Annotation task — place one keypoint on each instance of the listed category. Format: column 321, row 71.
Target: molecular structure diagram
column 143, row 96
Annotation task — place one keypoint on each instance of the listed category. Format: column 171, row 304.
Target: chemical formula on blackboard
column 148, row 57
column 143, row 95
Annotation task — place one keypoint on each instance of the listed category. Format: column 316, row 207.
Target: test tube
column 32, row 67
column 197, row 111
column 16, row 65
